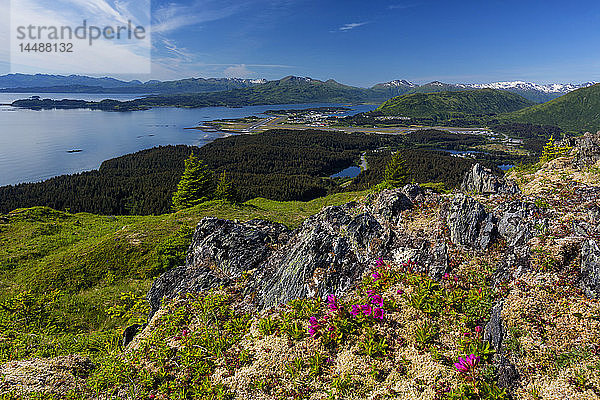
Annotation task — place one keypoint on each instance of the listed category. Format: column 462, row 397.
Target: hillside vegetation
column 444, row 105
column 575, row 111
column 278, row 164
column 61, row 273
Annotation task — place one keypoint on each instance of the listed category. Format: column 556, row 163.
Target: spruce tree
column 195, row 186
column 225, row 190
column 396, row 173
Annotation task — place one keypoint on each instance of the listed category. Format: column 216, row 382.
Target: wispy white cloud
column 175, row 16
column 353, row 25
column 238, row 71
column 402, row 6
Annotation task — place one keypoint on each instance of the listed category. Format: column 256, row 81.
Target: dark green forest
column 278, row 164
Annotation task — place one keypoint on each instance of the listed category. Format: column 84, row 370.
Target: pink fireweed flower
column 446, row 275
column 379, row 263
column 331, row 328
column 355, row 310
column 467, row 365
column 376, row 276
column 479, row 290
column 378, row 313
column 478, row 329
column 314, row 321
column 400, row 291
column 377, row 300
column 312, row 331
column 332, row 302
column 366, row 309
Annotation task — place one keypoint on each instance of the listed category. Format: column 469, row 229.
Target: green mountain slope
column 454, row 104
column 575, row 111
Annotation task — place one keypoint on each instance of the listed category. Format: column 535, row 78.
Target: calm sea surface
column 34, row 145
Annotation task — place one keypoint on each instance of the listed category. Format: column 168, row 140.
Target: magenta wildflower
column 366, row 309
column 313, row 320
column 331, row 328
column 378, row 313
column 446, row 275
column 400, row 291
column 478, row 329
column 332, row 302
column 376, row 276
column 355, row 310
column 379, row 263
column 479, row 290
column 312, row 331
column 467, row 365
column 314, row 326
column 377, row 300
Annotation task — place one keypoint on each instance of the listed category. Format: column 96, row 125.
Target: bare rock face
column 221, row 251
column 495, row 333
column 469, row 224
column 51, row 376
column 517, row 222
column 590, row 268
column 482, row 180
column 587, row 150
column 327, row 255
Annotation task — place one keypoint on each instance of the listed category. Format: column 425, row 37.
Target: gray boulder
column 221, row 251
column 390, row 203
column 469, row 224
column 481, row 180
column 587, row 150
column 517, row 222
column 327, row 255
column 590, row 268
column 495, row 333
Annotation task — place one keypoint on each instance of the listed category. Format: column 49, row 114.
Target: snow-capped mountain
column 398, row 83
column 521, row 85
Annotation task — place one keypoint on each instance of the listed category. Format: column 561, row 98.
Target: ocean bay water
column 35, row 145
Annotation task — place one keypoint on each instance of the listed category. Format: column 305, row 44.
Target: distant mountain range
column 21, row 83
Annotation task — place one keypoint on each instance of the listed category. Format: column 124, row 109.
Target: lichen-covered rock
column 590, row 268
column 469, row 224
column 587, row 150
column 390, row 203
column 328, row 254
column 481, row 180
column 50, row 376
column 516, row 222
column 495, row 333
column 221, row 251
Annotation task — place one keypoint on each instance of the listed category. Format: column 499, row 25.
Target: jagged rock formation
column 590, row 268
column 221, row 251
column 327, row 254
column 495, row 332
column 469, row 224
column 587, row 149
column 482, row 180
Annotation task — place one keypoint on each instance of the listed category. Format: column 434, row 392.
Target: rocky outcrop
column 517, row 222
column 587, row 150
column 327, row 254
column 390, row 203
column 469, row 224
column 495, row 333
column 221, row 251
column 590, row 268
column 481, row 180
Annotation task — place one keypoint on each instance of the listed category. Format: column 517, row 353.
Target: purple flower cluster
column 468, row 364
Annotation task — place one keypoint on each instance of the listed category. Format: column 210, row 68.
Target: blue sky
column 365, row 42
